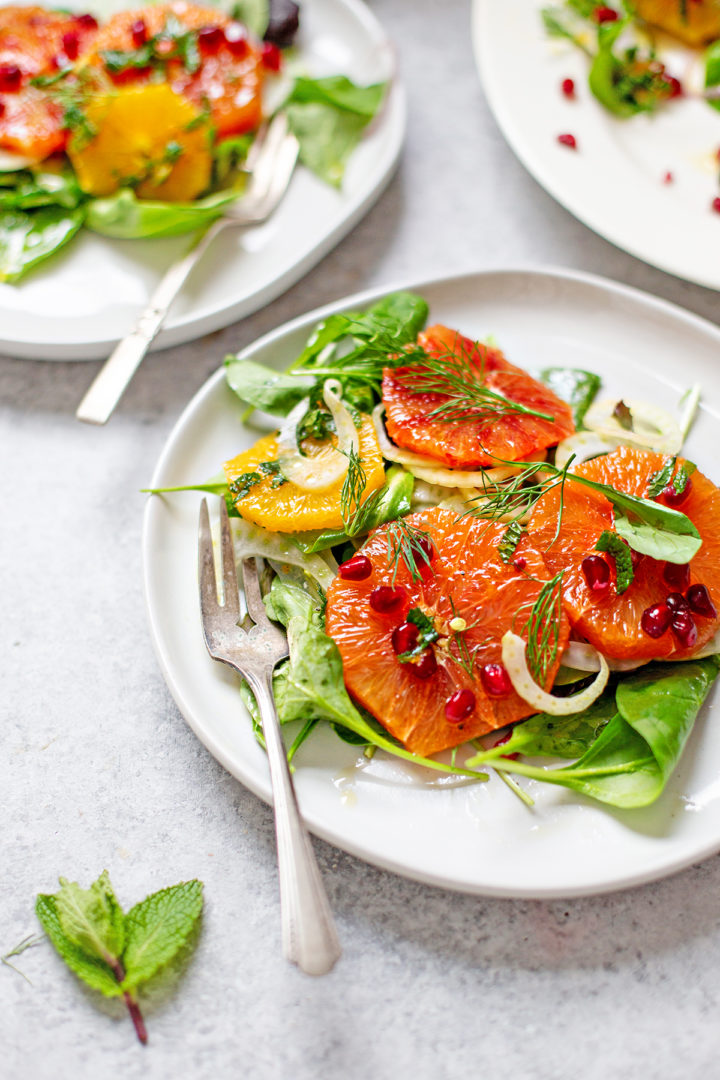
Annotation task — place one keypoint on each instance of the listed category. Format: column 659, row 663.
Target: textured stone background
column 103, row 771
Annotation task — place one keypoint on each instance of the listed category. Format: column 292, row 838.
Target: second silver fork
column 273, row 162
column 309, row 936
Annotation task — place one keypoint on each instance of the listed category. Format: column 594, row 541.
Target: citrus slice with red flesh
column 470, row 443
column 228, row 81
column 33, row 42
column 612, row 622
column 466, row 580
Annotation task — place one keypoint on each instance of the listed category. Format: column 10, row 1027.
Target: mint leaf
column 110, row 951
column 510, row 540
column 620, row 552
column 157, row 928
column 682, row 476
column 96, row 973
column 427, row 634
column 660, row 479
column 91, row 918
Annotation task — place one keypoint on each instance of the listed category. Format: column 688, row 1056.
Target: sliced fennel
column 653, row 428
column 318, row 472
column 515, row 661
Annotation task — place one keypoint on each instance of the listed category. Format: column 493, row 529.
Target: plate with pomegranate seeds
column 622, row 126
column 125, row 131
column 491, row 534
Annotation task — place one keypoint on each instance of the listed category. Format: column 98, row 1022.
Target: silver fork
column 309, row 936
column 271, row 164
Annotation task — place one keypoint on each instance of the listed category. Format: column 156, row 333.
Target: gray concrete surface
column 100, row 769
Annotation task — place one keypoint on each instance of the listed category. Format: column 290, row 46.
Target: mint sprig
column 619, row 551
column 114, row 952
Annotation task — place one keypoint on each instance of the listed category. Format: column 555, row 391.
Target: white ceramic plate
column 614, row 181
column 78, row 305
column 478, row 838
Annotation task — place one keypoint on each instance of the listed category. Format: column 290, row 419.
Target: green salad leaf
column 545, row 735
column 27, row 190
column 262, row 387
column 712, row 73
column 328, row 117
column 255, row 14
column 126, row 217
column 575, row 386
column 28, row 237
column 630, row 759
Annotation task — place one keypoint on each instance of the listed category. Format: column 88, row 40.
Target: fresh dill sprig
column 28, row 942
column 465, row 657
column 458, row 377
column 410, row 545
column 543, row 628
column 353, row 510
column 510, row 500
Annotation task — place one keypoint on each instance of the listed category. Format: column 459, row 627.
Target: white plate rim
column 204, row 733
column 189, row 327
column 567, row 196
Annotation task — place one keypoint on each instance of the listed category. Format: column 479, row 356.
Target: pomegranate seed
column 426, row 546
column 674, row 85
column 71, row 44
column 271, row 56
column 677, row 602
column 356, row 568
column 87, row 22
column 676, row 498
column 210, row 38
column 139, row 33
column 668, row 178
column 425, row 665
column 2, row 108
column 605, row 14
column 236, row 40
column 636, row 557
column 10, row 78
column 520, row 563
column 459, row 705
column 568, row 87
column 405, row 637
column 568, row 140
column 495, row 680
column 596, row 573
column 715, row 204
column 677, row 576
column 699, row 600
column 684, row 629
column 386, row 598
column 655, row 620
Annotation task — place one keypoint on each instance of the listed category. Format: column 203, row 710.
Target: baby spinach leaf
column 340, row 92
column 648, row 526
column 545, row 735
column 327, row 137
column 575, row 386
column 127, row 218
column 712, row 72
column 28, row 237
column 262, row 387
column 630, row 761
column 33, row 189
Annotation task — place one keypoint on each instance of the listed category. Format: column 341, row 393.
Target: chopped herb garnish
column 619, row 551
column 427, row 634
column 242, row 485
column 510, row 540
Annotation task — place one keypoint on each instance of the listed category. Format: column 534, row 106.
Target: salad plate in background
column 473, row 837
column 648, row 181
column 64, row 308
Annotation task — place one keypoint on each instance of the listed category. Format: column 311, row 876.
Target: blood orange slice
column 466, row 581
column 228, row 81
column 472, row 443
column 33, row 40
column 610, row 622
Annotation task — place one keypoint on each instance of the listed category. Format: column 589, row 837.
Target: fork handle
column 309, row 936
column 111, row 381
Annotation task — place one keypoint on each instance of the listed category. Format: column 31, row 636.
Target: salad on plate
column 643, row 56
column 459, row 546
column 141, row 125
